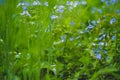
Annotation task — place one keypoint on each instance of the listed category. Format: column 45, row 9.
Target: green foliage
column 59, row 40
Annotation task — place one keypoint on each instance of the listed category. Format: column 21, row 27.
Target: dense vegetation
column 59, row 40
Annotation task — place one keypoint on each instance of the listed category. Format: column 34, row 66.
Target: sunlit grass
column 59, row 40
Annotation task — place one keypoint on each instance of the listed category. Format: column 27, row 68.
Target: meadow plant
column 59, row 40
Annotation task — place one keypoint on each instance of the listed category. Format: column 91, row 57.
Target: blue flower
column 93, row 22
column 61, row 9
column 112, row 20
column 101, row 37
column 53, row 17
column 95, row 52
column 113, row 1
column 69, row 3
column 71, row 39
column 76, row 3
column 102, row 0
column 35, row 3
column 46, row 3
column 24, row 8
column 25, row 12
column 72, row 23
column 83, row 2
column 63, row 38
column 90, row 26
column 98, row 56
column 113, row 37
column 101, row 43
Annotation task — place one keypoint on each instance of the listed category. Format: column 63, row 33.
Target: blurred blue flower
column 101, row 43
column 61, row 9
column 118, row 11
column 100, row 10
column 53, row 17
column 25, row 12
column 72, row 23
column 24, row 8
column 112, row 20
column 83, row 2
column 76, row 3
column 2, row 2
column 95, row 51
column 98, row 56
column 36, row 2
column 102, row 0
column 93, row 22
column 71, row 39
column 63, row 38
column 99, row 49
column 46, row 3
column 113, row 1
column 69, row 3
column 101, row 37
column 90, row 26
column 113, row 37
column 93, row 10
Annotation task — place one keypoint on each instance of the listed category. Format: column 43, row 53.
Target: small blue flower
column 72, row 23
column 25, row 12
column 46, row 3
column 99, row 49
column 113, row 1
column 113, row 37
column 95, row 52
column 61, row 9
column 24, row 8
column 101, row 43
column 93, row 22
column 69, row 3
column 101, row 37
column 90, row 26
column 53, row 17
column 63, row 38
column 71, row 39
column 102, row 0
column 83, row 2
column 100, row 10
column 35, row 3
column 98, row 56
column 113, row 20
column 76, row 3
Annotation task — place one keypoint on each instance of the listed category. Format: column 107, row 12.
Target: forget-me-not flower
column 46, row 3
column 71, row 39
column 63, row 38
column 102, row 36
column 25, row 12
column 60, row 9
column 35, row 3
column 112, row 20
column 72, row 23
column 20, row 4
column 98, row 56
column 113, row 37
column 53, row 17
column 90, row 26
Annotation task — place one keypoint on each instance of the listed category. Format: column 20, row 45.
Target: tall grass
column 75, row 42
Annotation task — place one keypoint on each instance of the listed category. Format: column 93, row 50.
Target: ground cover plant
column 59, row 40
